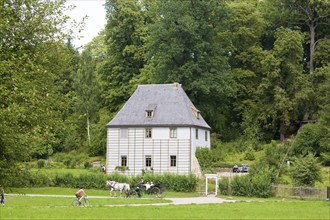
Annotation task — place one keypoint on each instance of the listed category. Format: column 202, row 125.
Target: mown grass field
column 26, row 207
column 60, row 208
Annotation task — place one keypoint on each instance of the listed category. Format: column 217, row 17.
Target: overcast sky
column 96, row 18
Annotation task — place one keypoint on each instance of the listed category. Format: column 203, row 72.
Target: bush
column 305, row 171
column 180, row 183
column 87, row 165
column 204, row 157
column 258, row 184
column 97, row 180
column 249, row 153
column 72, row 159
column 224, row 186
column 41, row 163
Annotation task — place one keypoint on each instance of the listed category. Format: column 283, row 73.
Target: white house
column 157, row 129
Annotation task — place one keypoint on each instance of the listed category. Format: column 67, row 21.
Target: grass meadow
column 41, row 207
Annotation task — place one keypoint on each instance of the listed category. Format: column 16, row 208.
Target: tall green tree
column 32, row 62
column 185, row 46
column 245, row 27
column 87, row 89
column 282, row 87
column 125, row 35
column 312, row 16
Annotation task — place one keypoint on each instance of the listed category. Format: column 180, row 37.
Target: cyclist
column 79, row 194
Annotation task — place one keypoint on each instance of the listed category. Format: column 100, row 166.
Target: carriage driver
column 141, row 181
column 80, row 193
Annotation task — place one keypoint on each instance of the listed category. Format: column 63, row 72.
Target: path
column 175, row 201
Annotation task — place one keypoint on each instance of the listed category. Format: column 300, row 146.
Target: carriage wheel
column 156, row 192
column 132, row 194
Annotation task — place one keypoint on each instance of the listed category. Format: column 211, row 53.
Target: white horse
column 114, row 186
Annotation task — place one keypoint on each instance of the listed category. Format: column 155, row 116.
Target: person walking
column 2, row 197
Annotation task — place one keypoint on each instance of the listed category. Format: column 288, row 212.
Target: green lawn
column 24, row 207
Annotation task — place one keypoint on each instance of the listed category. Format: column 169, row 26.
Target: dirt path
column 175, row 201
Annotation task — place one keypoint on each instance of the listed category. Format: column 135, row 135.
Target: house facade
column 158, row 129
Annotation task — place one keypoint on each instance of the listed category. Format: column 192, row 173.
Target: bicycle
column 83, row 202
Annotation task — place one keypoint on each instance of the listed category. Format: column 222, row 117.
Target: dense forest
column 259, row 70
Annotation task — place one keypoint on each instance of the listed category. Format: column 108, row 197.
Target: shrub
column 224, row 186
column 87, row 165
column 180, row 183
column 305, row 171
column 204, row 157
column 249, row 153
column 258, row 183
column 41, row 163
column 64, row 180
column 97, row 180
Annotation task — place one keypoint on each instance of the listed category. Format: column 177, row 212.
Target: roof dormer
column 196, row 112
column 150, row 110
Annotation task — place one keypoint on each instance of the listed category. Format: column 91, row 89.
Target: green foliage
column 189, row 52
column 273, row 155
column 179, row 183
column 34, row 63
column 97, row 180
column 41, row 163
column 224, row 186
column 256, row 69
column 308, row 140
column 204, row 157
column 72, row 159
column 306, row 170
column 257, row 183
column 99, row 134
column 125, row 34
column 87, row 165
column 249, row 153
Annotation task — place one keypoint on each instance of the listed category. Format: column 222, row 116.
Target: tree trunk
column 311, row 46
column 88, row 132
column 282, row 132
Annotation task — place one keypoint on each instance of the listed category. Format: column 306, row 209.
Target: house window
column 148, row 161
column 124, row 161
column 124, row 133
column 196, row 112
column 206, row 135
column 150, row 110
column 149, row 114
column 173, row 161
column 196, row 133
column 173, row 133
column 148, row 133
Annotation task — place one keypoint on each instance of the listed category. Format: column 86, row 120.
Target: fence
column 300, row 192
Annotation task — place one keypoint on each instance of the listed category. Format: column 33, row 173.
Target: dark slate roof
column 170, row 105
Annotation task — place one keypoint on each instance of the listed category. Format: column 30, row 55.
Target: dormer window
column 150, row 111
column 149, row 114
column 196, row 112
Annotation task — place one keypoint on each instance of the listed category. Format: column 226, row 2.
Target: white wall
column 160, row 147
column 164, row 133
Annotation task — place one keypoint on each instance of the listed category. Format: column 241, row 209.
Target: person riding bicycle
column 79, row 194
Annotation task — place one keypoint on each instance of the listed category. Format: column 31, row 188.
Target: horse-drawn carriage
column 148, row 189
